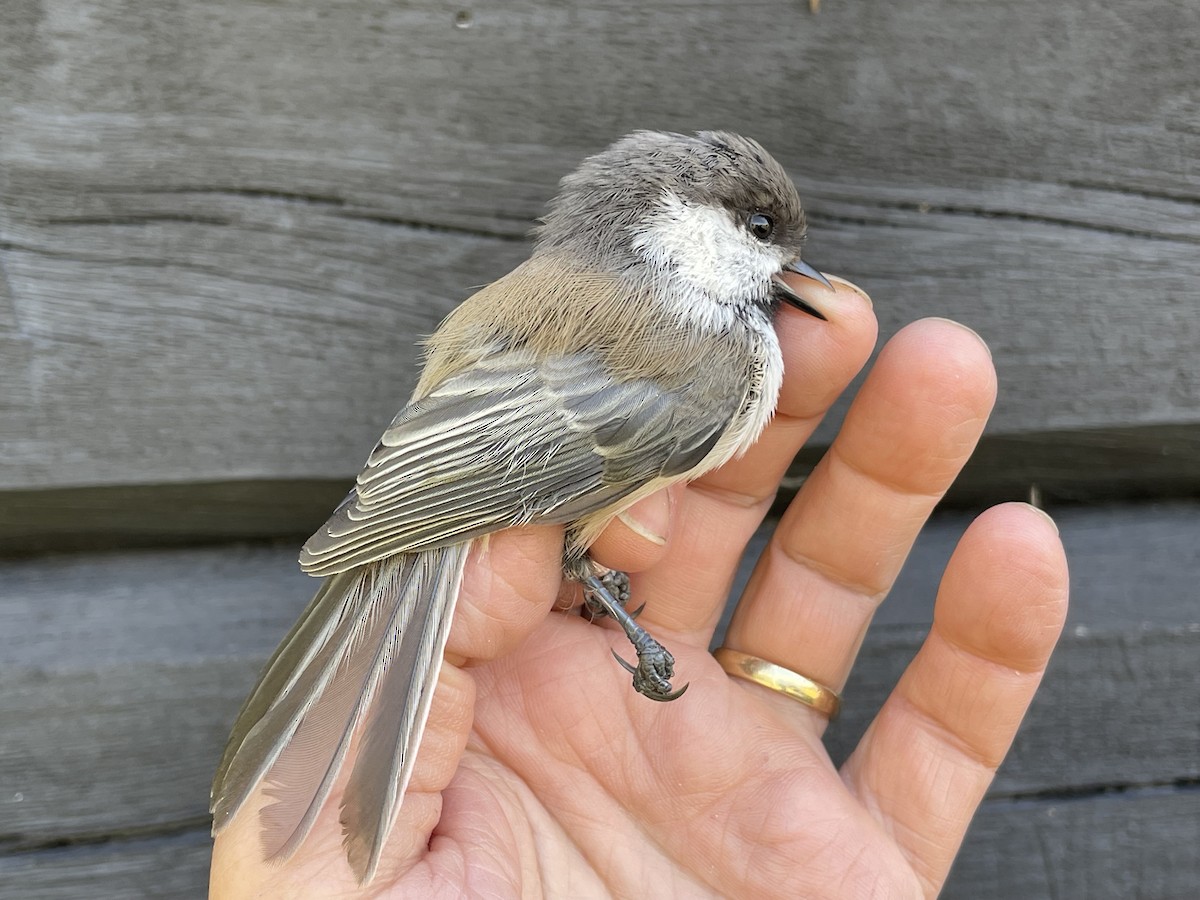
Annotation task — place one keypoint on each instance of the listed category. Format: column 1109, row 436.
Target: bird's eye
column 761, row 226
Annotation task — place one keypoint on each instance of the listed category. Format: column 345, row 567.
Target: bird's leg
column 608, row 591
column 617, row 584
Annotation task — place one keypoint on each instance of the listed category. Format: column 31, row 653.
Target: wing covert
column 511, row 441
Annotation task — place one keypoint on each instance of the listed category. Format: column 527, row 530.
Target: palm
column 542, row 772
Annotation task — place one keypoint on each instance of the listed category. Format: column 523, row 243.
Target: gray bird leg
column 609, row 592
column 617, row 584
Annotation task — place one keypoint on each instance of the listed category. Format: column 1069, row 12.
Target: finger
column 721, row 510
column 841, row 544
column 926, row 761
column 510, row 583
column 819, row 359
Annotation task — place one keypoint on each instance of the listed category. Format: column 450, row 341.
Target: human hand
column 542, row 773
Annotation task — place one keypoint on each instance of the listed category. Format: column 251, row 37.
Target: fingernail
column 970, row 331
column 641, row 528
column 838, row 279
column 1045, row 515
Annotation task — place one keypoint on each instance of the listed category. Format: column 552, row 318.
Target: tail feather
column 337, row 687
column 235, row 778
column 389, row 747
column 369, row 646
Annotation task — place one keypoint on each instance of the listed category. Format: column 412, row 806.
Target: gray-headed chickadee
column 635, row 348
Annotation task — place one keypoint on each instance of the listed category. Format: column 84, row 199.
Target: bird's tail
column 366, row 650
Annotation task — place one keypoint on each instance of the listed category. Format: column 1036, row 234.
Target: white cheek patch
column 707, row 249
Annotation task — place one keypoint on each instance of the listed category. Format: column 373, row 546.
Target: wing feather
column 516, row 440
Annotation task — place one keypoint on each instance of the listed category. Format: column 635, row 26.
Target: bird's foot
column 617, row 585
column 656, row 666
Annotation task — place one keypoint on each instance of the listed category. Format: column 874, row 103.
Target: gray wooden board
column 171, row 867
column 1104, row 847
column 222, row 224
column 1108, row 464
column 122, row 672
column 1142, row 845
column 127, row 516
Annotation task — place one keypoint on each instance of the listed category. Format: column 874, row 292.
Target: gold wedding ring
column 752, row 668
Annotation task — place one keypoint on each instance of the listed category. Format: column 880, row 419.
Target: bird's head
column 713, row 217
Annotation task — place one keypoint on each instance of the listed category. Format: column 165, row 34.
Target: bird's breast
column 763, row 381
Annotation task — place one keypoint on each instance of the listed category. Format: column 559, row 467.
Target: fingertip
column 821, row 358
column 1010, row 584
column 948, row 354
column 1022, row 539
column 967, row 329
column 839, row 281
column 933, row 379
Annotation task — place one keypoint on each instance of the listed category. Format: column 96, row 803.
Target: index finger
column 844, row 538
column 715, row 516
column 820, row 359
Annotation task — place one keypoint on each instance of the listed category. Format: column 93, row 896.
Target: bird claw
column 667, row 697
column 628, row 667
column 652, row 674
column 617, row 583
column 655, row 666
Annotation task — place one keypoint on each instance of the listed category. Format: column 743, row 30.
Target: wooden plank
column 1103, row 847
column 123, row 672
column 1099, row 465
column 111, row 517
column 1104, row 464
column 89, row 755
column 222, row 224
column 1080, row 466
column 162, row 867
column 131, row 667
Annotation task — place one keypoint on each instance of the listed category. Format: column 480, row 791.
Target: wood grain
column 223, row 225
column 163, row 867
column 1073, row 466
column 109, row 517
column 1107, row 847
column 128, row 669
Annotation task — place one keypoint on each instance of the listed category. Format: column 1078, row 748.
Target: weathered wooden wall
column 222, row 225
column 131, row 666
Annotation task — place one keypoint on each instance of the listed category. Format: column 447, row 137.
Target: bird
column 633, row 349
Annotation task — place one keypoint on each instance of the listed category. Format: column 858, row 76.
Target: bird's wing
column 515, row 440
